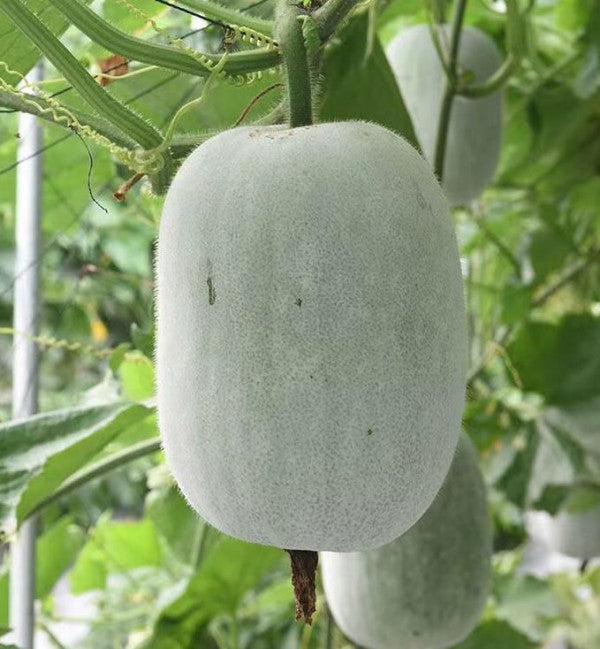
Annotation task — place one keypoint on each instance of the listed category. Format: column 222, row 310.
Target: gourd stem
column 304, row 568
column 291, row 39
column 492, row 83
column 450, row 89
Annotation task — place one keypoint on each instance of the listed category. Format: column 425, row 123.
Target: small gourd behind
column 426, row 589
column 475, row 127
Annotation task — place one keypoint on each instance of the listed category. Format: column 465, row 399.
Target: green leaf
column 118, row 13
column 143, row 340
column 17, row 52
column 118, row 355
column 360, row 87
column 496, row 634
column 585, row 199
column 515, row 303
column 115, row 547
column 56, row 549
column 137, row 377
column 559, row 361
column 66, row 165
column 551, row 498
column 397, row 14
column 39, row 453
column 573, row 15
column 175, row 521
column 547, row 251
column 553, row 470
column 131, row 250
column 578, row 422
column 527, row 603
column 514, row 482
column 566, row 472
column 582, row 498
column 230, row 570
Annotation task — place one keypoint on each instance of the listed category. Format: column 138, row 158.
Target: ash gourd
column 311, row 338
column 426, row 589
column 475, row 128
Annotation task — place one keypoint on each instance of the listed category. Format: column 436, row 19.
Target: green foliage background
column 530, row 249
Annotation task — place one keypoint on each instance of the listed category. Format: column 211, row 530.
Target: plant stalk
column 450, row 90
column 98, row 469
column 291, row 39
column 164, row 56
column 39, row 107
column 492, row 83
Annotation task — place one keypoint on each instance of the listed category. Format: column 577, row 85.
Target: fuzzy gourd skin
column 576, row 534
column 426, row 589
column 311, row 337
column 475, row 128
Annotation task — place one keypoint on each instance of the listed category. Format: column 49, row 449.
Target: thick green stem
column 291, row 39
column 331, row 14
column 109, row 107
column 164, row 56
column 41, row 108
column 450, row 89
column 442, row 132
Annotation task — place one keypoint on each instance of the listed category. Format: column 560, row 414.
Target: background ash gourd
column 311, row 337
column 426, row 589
column 475, row 128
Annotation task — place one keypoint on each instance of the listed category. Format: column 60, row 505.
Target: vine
column 170, row 132
column 50, row 342
column 295, row 56
column 143, row 161
column 133, row 125
column 177, row 55
column 16, row 100
column 455, row 85
column 450, row 88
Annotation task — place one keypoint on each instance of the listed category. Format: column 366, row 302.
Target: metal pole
column 25, row 353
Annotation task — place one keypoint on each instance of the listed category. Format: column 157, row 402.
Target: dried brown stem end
column 304, row 568
column 121, row 193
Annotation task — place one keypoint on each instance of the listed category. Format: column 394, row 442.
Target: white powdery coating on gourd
column 576, row 533
column 475, row 127
column 426, row 589
column 315, row 404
